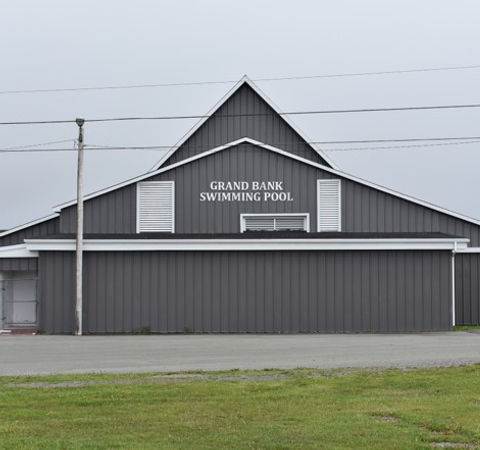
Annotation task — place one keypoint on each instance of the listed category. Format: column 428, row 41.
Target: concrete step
column 22, row 330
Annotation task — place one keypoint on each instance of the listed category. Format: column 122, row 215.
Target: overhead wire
column 288, row 113
column 265, row 79
column 93, row 147
column 394, row 147
column 291, row 113
column 40, row 144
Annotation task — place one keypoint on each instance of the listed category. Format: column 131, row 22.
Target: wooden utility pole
column 79, row 240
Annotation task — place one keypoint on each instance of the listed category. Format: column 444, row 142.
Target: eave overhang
column 92, row 245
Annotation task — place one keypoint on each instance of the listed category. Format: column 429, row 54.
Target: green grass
column 466, row 327
column 273, row 409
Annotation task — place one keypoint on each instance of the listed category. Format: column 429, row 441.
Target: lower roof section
column 16, row 251
column 260, row 241
column 261, row 235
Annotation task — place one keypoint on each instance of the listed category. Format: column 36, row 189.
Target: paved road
column 22, row 355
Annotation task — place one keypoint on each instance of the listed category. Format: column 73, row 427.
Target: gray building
column 245, row 227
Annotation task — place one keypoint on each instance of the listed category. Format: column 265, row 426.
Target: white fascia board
column 29, row 224
column 288, row 155
column 468, row 250
column 241, row 82
column 245, row 244
column 17, row 251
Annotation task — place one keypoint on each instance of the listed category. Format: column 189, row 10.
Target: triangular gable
column 286, row 154
column 245, row 111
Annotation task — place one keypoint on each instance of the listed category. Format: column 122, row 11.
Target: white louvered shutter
column 295, row 223
column 272, row 222
column 259, row 223
column 156, row 206
column 329, row 205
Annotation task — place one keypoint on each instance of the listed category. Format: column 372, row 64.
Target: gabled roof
column 244, row 80
column 286, row 154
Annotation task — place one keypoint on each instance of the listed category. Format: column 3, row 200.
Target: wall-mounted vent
column 155, row 206
column 274, row 222
column 329, row 205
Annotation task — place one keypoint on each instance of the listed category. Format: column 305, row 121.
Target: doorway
column 18, row 299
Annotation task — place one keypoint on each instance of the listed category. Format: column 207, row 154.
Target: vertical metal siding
column 363, row 208
column 56, row 292
column 245, row 114
column 467, row 288
column 288, row 292
column 46, row 228
column 18, row 264
column 114, row 212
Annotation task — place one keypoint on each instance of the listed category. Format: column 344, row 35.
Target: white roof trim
column 29, row 224
column 241, row 82
column 17, row 251
column 91, row 245
column 468, row 250
column 284, row 153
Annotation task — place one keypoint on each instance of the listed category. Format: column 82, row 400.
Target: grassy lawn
column 466, row 327
column 304, row 408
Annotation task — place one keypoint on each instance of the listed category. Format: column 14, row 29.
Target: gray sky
column 58, row 44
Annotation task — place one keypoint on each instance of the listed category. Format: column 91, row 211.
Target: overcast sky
column 61, row 44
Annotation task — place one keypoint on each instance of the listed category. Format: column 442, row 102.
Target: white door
column 21, row 299
column 24, row 302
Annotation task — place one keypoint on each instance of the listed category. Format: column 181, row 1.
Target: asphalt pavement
column 32, row 355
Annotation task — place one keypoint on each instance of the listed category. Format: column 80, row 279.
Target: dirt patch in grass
column 389, row 419
column 452, row 445
column 174, row 377
column 265, row 375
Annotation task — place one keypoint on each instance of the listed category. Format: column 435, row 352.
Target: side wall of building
column 467, row 288
column 276, row 291
column 364, row 209
column 39, row 230
column 56, row 288
column 18, row 264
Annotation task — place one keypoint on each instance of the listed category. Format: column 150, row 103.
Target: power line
column 40, row 144
column 38, row 122
column 165, row 147
column 168, row 146
column 288, row 113
column 393, row 147
column 292, row 113
column 197, row 83
column 53, row 150
column 361, row 74
column 364, row 141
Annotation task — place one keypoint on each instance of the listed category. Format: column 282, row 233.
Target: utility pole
column 79, row 240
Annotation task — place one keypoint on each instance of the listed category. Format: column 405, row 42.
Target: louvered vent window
column 156, row 206
column 329, row 205
column 274, row 222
